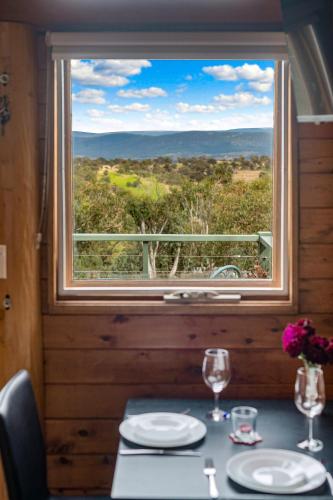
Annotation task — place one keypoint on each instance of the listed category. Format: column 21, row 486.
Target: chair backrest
column 21, row 441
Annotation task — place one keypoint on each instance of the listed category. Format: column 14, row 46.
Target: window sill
column 159, row 307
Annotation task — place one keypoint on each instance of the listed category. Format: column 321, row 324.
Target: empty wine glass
column 310, row 400
column 216, row 374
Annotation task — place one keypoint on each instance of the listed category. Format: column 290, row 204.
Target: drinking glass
column 243, row 420
column 310, row 400
column 216, row 374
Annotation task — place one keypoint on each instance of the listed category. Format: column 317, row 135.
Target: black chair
column 22, row 444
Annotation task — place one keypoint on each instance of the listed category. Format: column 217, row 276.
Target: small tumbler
column 244, row 422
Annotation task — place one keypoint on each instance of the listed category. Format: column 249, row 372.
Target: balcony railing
column 90, row 263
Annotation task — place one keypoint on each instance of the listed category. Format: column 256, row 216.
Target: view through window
column 172, row 169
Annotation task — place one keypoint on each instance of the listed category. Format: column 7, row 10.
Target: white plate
column 276, row 471
column 162, row 430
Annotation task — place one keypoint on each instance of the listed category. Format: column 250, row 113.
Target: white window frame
column 266, row 46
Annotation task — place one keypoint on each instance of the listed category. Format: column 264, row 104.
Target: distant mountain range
column 141, row 145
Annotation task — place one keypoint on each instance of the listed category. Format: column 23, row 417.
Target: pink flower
column 300, row 339
column 306, row 324
column 293, row 339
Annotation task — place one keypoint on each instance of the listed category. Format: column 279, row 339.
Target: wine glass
column 310, row 400
column 216, row 374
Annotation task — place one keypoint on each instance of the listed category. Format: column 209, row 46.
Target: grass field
column 246, row 175
column 138, row 186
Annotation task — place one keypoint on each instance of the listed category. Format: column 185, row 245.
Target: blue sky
column 112, row 95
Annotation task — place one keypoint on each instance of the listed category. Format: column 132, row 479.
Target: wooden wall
column 20, row 327
column 94, row 363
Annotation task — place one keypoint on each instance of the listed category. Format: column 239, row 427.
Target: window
column 173, row 156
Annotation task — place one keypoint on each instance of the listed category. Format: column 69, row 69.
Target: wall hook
column 4, row 78
column 7, row 302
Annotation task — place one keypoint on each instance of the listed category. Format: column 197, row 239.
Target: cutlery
column 329, row 479
column 150, row 451
column 210, row 472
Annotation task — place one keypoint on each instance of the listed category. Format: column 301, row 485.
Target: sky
column 112, row 95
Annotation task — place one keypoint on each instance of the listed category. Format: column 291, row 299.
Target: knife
column 171, row 453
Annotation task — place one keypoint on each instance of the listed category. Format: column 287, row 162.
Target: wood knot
column 107, row 460
column 120, row 318
column 83, row 433
column 105, row 338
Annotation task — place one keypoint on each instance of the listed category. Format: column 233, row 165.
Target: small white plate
column 162, row 430
column 276, row 471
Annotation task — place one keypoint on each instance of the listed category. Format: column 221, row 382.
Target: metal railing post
column 145, row 259
column 265, row 251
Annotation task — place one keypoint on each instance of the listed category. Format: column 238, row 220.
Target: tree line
column 174, row 196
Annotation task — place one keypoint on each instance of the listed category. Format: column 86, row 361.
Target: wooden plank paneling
column 146, row 332
column 82, row 436
column 162, row 367
column 316, row 296
column 121, row 332
column 105, row 401
column 90, row 471
column 315, row 148
column 108, row 401
column 20, row 327
column 20, row 331
column 317, row 165
column 312, row 131
column 60, row 492
column 94, row 363
column 316, row 261
column 316, row 225
column 316, row 190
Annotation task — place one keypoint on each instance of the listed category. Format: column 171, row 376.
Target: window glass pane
column 172, row 169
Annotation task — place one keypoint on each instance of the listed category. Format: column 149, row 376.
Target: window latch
column 200, row 296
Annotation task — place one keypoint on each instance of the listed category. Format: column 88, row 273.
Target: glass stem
column 216, row 402
column 310, row 429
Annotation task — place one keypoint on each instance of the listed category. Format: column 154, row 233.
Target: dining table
column 279, row 423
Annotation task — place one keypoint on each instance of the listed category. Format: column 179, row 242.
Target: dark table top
column 181, row 478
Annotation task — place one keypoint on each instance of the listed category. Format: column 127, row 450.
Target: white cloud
column 90, row 96
column 261, row 79
column 98, row 123
column 254, row 72
column 108, row 73
column 125, row 67
column 140, row 93
column 189, row 77
column 241, row 99
column 135, row 106
column 247, row 120
column 224, row 102
column 164, row 120
column 222, row 72
column 95, row 113
column 184, row 107
column 261, row 86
